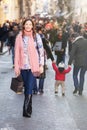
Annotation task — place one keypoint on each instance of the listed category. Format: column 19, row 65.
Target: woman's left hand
column 41, row 69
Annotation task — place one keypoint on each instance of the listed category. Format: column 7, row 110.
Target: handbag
column 42, row 75
column 17, row 84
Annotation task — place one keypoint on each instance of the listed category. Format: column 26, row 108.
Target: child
column 60, row 72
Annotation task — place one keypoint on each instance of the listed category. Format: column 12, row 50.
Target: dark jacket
column 46, row 47
column 63, row 39
column 4, row 31
column 12, row 37
column 49, row 54
column 78, row 54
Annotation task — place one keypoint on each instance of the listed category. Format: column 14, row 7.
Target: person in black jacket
column 1, row 43
column 47, row 51
column 78, row 56
column 11, row 41
column 4, row 31
column 60, row 45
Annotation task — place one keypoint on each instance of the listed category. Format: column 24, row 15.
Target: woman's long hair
column 33, row 29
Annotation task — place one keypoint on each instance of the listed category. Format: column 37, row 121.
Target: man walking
column 78, row 56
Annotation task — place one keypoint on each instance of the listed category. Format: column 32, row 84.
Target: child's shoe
column 56, row 92
column 35, row 92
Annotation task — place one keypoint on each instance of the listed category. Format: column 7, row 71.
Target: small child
column 60, row 72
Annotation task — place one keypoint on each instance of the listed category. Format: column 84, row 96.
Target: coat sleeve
column 47, row 48
column 72, row 53
column 54, row 67
column 40, row 49
column 67, row 70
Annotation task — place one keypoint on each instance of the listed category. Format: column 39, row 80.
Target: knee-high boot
column 30, row 105
column 25, row 106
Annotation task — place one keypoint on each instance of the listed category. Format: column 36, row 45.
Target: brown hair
column 33, row 29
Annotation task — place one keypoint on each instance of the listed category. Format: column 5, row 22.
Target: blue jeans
column 41, row 83
column 28, row 80
column 35, row 85
column 12, row 49
column 78, row 77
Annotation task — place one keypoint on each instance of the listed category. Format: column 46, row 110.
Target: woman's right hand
column 17, row 73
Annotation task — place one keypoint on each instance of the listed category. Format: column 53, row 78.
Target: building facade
column 80, row 10
column 14, row 9
column 9, row 10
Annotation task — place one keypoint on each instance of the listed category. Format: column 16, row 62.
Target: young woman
column 29, row 61
column 47, row 53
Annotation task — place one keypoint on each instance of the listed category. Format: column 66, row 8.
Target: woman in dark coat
column 47, row 51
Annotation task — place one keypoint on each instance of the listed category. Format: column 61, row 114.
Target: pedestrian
column 28, row 61
column 11, row 40
column 60, row 45
column 47, row 53
column 60, row 73
column 78, row 56
column 4, row 31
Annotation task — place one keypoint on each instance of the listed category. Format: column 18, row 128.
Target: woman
column 47, row 53
column 28, row 61
column 11, row 40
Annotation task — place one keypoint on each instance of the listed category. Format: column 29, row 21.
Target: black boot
column 29, row 109
column 75, row 91
column 25, row 107
column 80, row 92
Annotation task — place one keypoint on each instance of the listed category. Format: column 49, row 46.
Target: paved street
column 50, row 111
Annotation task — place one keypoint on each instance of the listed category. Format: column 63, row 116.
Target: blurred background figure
column 11, row 40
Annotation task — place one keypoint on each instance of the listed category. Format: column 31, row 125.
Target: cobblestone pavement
column 50, row 111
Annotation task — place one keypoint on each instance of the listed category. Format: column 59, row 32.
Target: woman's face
column 28, row 26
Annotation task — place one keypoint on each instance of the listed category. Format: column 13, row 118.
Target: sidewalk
column 50, row 111
column 5, row 49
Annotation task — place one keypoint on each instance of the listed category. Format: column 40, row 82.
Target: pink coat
column 19, row 57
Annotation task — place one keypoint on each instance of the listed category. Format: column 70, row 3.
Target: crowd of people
column 32, row 42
